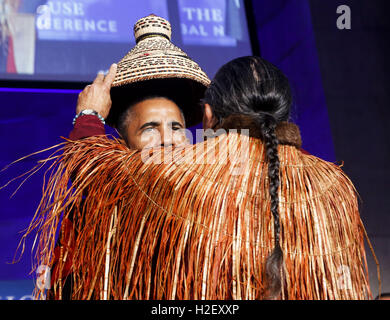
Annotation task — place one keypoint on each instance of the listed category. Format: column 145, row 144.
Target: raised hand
column 96, row 96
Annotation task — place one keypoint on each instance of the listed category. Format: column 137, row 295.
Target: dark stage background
column 355, row 75
column 341, row 99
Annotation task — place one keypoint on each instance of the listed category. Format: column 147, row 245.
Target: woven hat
column 155, row 66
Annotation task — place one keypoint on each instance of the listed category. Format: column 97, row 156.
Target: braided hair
column 252, row 86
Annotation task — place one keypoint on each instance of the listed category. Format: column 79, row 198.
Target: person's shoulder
column 311, row 160
column 329, row 175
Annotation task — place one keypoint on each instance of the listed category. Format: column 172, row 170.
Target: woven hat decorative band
column 155, row 57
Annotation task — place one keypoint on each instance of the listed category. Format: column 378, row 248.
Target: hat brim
column 186, row 93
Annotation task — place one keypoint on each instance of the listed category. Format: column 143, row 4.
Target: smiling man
column 145, row 120
column 149, row 97
column 153, row 121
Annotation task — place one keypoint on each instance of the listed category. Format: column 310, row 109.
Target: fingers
column 99, row 78
column 105, row 80
column 110, row 77
column 85, row 89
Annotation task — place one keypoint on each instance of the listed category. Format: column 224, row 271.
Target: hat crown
column 155, row 58
column 152, row 25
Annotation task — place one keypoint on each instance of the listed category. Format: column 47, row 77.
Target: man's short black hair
column 185, row 93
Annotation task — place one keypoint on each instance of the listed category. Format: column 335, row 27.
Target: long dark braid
column 252, row 86
column 274, row 261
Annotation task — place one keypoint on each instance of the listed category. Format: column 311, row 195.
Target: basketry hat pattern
column 155, row 58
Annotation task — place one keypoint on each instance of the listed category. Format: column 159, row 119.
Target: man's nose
column 166, row 137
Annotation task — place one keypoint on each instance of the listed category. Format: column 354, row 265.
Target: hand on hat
column 96, row 96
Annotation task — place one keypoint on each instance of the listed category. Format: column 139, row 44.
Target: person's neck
column 287, row 133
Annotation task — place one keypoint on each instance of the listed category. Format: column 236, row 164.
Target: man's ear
column 208, row 117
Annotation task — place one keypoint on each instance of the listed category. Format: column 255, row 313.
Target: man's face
column 155, row 122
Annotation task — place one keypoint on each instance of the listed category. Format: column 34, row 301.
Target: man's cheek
column 148, row 140
column 180, row 138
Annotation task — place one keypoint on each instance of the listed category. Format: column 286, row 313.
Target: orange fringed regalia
column 187, row 229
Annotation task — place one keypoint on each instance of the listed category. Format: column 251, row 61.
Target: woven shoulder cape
column 186, row 229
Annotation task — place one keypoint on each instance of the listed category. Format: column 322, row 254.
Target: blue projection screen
column 71, row 41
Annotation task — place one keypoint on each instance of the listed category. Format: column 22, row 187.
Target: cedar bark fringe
column 195, row 231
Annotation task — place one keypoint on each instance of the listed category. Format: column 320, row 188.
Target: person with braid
column 262, row 220
column 251, row 92
column 260, row 97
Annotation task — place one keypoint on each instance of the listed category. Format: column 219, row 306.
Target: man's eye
column 176, row 128
column 148, row 129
